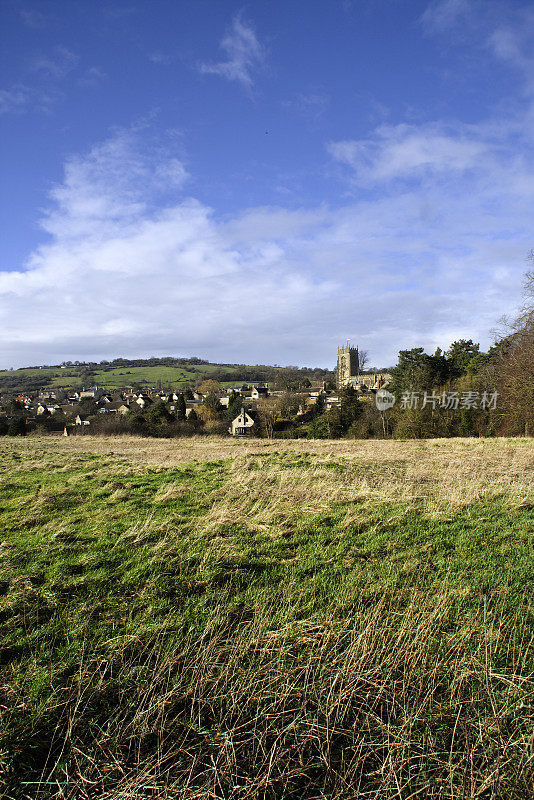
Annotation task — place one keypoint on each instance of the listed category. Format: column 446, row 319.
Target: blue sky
column 257, row 182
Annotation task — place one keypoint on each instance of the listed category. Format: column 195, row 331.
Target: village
column 239, row 410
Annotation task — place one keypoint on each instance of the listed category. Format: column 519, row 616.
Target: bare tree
column 363, row 359
column 268, row 410
column 516, row 365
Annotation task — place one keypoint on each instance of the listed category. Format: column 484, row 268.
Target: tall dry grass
column 436, row 475
column 389, row 703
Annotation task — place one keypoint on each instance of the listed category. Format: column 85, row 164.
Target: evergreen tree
column 180, row 408
column 319, row 407
column 234, row 406
column 335, row 423
column 319, row 428
column 459, row 356
column 417, row 371
column 350, row 407
column 158, row 413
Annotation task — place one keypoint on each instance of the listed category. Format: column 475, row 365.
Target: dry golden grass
column 265, row 491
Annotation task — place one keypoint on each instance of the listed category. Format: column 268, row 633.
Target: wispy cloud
column 310, row 104
column 92, row 77
column 440, row 15
column 408, row 151
column 14, row 99
column 513, row 42
column 503, row 29
column 160, row 58
column 32, row 17
column 46, row 82
column 58, row 65
column 244, row 54
column 118, row 12
column 21, row 99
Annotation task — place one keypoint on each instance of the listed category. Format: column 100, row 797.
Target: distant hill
column 150, row 372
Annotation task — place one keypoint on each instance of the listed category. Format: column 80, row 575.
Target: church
column 348, row 371
column 348, row 366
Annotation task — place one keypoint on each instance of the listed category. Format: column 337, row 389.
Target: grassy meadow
column 115, row 377
column 118, row 377
column 259, row 620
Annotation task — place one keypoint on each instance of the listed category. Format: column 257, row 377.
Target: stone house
column 242, row 425
column 95, row 393
column 259, row 391
column 143, row 401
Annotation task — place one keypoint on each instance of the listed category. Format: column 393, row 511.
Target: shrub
column 17, row 427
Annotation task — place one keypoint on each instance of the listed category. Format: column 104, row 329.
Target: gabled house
column 118, row 407
column 143, row 401
column 242, row 425
column 259, row 391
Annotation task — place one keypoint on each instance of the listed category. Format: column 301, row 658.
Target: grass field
column 150, row 376
column 117, row 377
column 64, row 378
column 260, row 620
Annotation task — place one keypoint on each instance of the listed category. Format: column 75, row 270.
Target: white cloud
column 116, row 181
column 407, row 151
column 135, row 267
column 244, row 54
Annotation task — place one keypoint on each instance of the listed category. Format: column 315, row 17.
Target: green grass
column 153, row 649
column 115, row 378
column 150, row 376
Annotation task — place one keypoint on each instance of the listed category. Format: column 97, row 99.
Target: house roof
column 243, row 419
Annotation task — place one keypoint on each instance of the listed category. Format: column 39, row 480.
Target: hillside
column 265, row 620
column 154, row 372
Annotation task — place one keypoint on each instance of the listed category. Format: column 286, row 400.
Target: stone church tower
column 348, row 366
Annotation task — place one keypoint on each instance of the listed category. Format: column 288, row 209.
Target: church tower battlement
column 348, row 366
